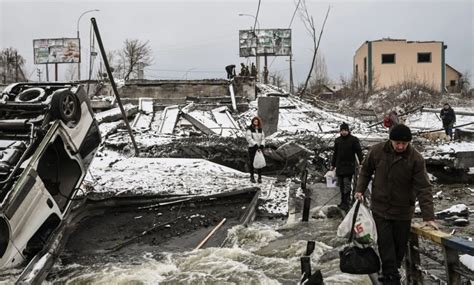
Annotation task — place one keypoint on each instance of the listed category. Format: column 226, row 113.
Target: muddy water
column 258, row 254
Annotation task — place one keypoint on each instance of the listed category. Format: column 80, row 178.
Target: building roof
column 455, row 70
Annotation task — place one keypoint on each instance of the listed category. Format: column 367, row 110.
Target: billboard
column 275, row 42
column 57, row 50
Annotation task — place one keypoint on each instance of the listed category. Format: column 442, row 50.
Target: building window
column 452, row 83
column 357, row 70
column 365, row 64
column 424, row 57
column 388, row 58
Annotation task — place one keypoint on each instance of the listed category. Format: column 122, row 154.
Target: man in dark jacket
column 449, row 118
column 230, row 69
column 400, row 178
column 346, row 146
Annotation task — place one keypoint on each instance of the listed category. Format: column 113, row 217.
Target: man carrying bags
column 400, row 178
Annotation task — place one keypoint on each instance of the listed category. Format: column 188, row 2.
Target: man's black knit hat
column 400, row 133
column 344, row 126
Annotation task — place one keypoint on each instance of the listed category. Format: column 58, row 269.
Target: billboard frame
column 265, row 42
column 57, row 50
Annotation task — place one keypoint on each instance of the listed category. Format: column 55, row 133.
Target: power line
column 289, row 26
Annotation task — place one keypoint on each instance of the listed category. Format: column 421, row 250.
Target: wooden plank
column 429, row 233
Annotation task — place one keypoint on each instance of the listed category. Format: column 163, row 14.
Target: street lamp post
column 77, row 29
column 257, row 58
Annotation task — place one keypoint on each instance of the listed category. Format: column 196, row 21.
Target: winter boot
column 259, row 180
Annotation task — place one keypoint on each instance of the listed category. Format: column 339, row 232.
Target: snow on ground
column 468, row 261
column 116, row 174
column 432, row 121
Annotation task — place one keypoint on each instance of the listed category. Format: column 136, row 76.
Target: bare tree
column 320, row 74
column 277, row 79
column 464, row 82
column 11, row 65
column 134, row 55
column 308, row 22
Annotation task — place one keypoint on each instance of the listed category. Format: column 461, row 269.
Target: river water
column 267, row 252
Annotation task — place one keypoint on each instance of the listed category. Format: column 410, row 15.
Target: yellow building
column 387, row 62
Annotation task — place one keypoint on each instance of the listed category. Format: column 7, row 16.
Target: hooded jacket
column 400, row 179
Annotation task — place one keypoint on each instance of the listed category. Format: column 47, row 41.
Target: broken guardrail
column 452, row 247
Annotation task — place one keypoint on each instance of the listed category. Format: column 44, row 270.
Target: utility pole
column 16, row 66
column 47, row 73
column 291, row 73
column 38, row 72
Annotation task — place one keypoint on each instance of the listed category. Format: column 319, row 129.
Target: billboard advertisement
column 274, row 42
column 65, row 50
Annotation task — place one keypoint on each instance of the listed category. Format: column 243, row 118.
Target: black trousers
column 345, row 187
column 252, row 152
column 392, row 241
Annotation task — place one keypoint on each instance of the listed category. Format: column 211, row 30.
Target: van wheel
column 30, row 95
column 65, row 106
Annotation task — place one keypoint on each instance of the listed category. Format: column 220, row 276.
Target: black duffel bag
column 356, row 260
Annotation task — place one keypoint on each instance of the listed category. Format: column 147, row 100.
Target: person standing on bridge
column 400, row 178
column 256, row 141
column 346, row 147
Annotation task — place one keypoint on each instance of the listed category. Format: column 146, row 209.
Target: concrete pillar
column 268, row 111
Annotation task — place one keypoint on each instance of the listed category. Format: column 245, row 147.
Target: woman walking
column 256, row 140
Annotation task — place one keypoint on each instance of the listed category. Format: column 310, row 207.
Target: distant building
column 452, row 79
column 387, row 62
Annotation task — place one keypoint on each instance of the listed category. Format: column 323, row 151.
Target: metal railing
column 452, row 247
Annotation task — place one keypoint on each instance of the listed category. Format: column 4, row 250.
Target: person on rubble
column 346, row 147
column 400, row 177
column 253, row 70
column 230, row 69
column 244, row 70
column 449, row 119
column 390, row 120
column 256, row 140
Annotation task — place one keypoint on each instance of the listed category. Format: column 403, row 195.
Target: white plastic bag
column 365, row 231
column 331, row 179
column 259, row 160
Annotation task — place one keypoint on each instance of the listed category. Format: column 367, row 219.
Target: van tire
column 65, row 106
column 30, row 95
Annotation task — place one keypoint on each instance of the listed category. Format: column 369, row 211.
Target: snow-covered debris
column 458, row 210
column 467, row 260
column 420, row 121
column 169, row 117
column 115, row 113
column 114, row 173
column 298, row 116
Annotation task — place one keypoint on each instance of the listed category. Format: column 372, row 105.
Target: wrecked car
column 48, row 138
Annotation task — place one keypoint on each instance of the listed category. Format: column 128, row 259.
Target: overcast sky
column 196, row 39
